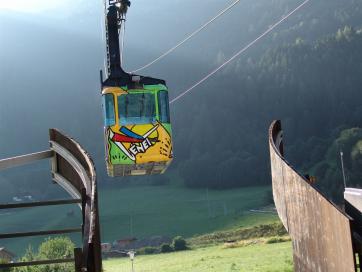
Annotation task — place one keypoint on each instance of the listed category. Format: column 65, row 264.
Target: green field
column 171, row 210
column 255, row 258
column 144, row 211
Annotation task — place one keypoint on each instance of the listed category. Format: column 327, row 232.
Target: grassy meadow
column 254, row 258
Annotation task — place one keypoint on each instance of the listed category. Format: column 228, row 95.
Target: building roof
column 4, row 250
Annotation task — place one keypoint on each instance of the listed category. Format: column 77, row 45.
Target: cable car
column 137, row 127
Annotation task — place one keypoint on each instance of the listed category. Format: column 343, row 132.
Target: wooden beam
column 39, row 204
column 25, row 159
column 78, row 259
column 38, row 233
column 33, row 263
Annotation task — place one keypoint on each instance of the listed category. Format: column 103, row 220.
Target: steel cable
column 270, row 29
column 188, row 37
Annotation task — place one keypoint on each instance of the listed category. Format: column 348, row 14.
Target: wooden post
column 84, row 200
column 78, row 259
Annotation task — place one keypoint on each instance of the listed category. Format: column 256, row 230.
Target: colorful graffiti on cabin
column 137, row 144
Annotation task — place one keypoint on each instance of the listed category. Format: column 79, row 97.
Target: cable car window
column 108, row 110
column 163, row 107
column 137, row 108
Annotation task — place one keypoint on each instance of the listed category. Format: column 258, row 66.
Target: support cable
column 188, row 37
column 104, row 34
column 270, row 29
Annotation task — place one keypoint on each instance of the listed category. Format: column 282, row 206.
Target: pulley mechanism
column 122, row 5
column 116, row 14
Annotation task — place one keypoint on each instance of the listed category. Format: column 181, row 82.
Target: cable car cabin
column 137, row 130
column 136, row 110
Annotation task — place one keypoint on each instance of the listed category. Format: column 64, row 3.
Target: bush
column 277, row 239
column 56, row 248
column 147, row 250
column 269, row 230
column 179, row 243
column 165, row 248
column 3, row 261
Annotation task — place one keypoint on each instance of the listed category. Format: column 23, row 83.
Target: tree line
column 314, row 88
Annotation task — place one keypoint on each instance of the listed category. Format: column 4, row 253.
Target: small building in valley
column 106, row 247
column 6, row 255
column 123, row 243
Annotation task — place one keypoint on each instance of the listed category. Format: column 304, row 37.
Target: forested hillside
column 314, row 88
column 329, row 171
column 305, row 73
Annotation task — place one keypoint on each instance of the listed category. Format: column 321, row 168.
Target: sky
column 33, row 6
column 145, row 19
column 60, row 14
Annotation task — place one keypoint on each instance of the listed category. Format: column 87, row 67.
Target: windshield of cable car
column 137, row 108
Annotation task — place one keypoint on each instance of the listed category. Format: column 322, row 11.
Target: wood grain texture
column 320, row 231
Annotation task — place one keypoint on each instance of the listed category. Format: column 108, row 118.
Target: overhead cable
column 104, row 33
column 270, row 29
column 188, row 37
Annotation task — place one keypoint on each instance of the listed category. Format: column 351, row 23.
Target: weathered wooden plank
column 24, row 159
column 40, row 204
column 320, row 231
column 75, row 165
column 38, row 233
column 33, row 263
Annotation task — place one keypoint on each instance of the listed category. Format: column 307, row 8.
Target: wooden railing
column 72, row 169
